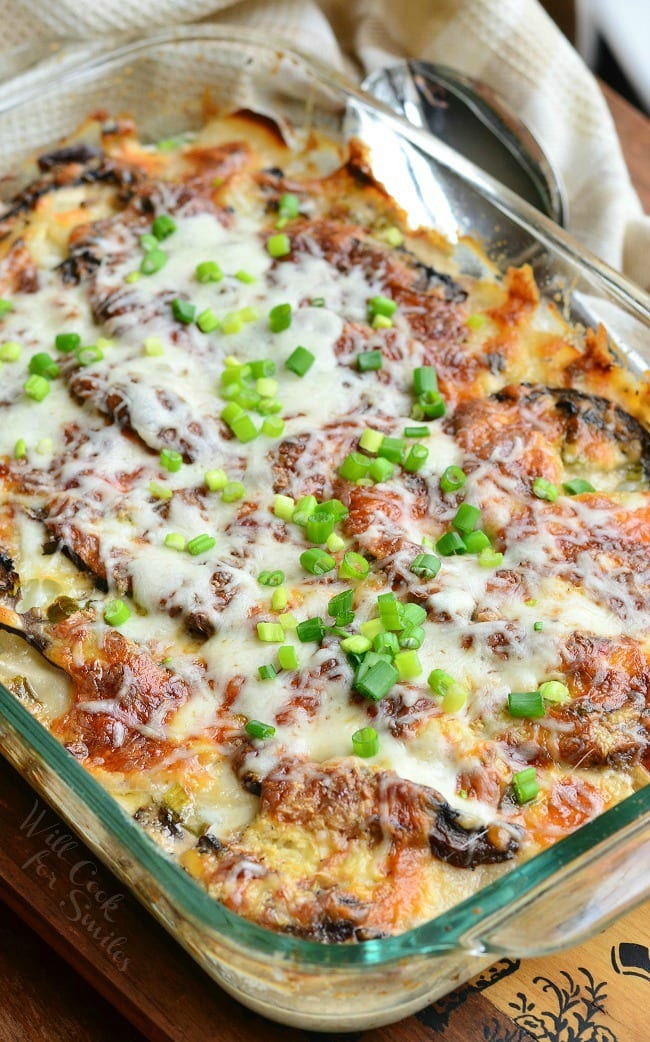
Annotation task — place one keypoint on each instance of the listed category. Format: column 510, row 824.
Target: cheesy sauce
column 236, row 386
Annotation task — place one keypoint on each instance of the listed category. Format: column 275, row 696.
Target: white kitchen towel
column 511, row 44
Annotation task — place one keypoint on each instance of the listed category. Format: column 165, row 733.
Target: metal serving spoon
column 470, row 117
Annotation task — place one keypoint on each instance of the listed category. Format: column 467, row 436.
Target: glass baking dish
column 559, row 897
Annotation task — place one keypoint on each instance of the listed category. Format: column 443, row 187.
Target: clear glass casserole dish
column 557, row 898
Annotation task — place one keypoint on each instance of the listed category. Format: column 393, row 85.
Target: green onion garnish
column 538, row 626
column 300, row 361
column 280, row 318
column 116, row 613
column 175, row 541
column 266, row 672
column 208, row 271
column 200, row 544
column 371, row 628
column 10, row 351
column 466, row 518
column 245, row 276
column 256, row 729
column 273, row 427
column 393, row 449
column 207, row 321
column 88, row 354
column 270, row 632
column 370, row 440
column 544, row 489
column 426, row 566
column 310, row 630
column 66, row 342
column 414, row 613
column 287, row 657
column 283, row 507
column 354, row 466
column 215, row 480
column 385, row 643
column 381, row 306
column 416, row 432
column 554, row 691
column 408, row 665
column 5, row 307
column 288, row 207
column 381, row 470
column 319, row 528
column 153, row 261
column 528, row 704
column 525, row 785
column 490, row 558
column 452, row 479
column 317, row 302
column 163, row 226
column 416, row 458
column 159, row 491
column 317, row 562
column 476, row 541
column 303, row 510
column 450, row 544
column 232, row 491
column 340, row 604
column 411, row 636
column 153, row 347
column 243, row 428
column 171, row 460
column 390, row 612
column 42, row 364
column 36, row 387
column 369, row 360
column 271, row 578
column 20, row 449
column 356, row 645
column 476, row 321
column 334, row 543
column 278, row 245
column 183, row 311
column 353, row 566
column 440, row 682
column 279, row 598
column 365, row 742
column 375, row 680
column 577, row 486
column 149, row 241
column 425, row 379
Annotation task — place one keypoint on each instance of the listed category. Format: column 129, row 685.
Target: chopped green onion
column 353, row 566
column 207, row 321
column 257, row 729
column 287, row 657
column 88, row 354
column 390, row 611
column 365, row 742
column 354, row 466
column 200, row 544
column 231, row 412
column 393, row 449
column 232, row 323
column 232, row 491
column 525, row 785
column 454, row 698
column 310, row 630
column 411, row 636
column 270, row 632
column 10, row 351
column 538, row 626
column 381, row 322
column 452, row 479
column 319, row 528
column 381, row 306
column 332, row 508
column 159, row 491
column 450, row 544
column 476, row 321
column 490, row 558
column 466, row 518
column 334, row 543
column 371, row 628
column 265, row 385
column 356, row 645
column 149, row 241
column 215, row 480
column 369, row 360
column 5, row 307
column 300, row 361
column 370, row 440
column 426, row 566
column 208, row 271
column 317, row 562
column 288, row 620
column 261, row 369
column 273, row 427
column 116, row 613
column 266, row 672
column 243, row 428
column 183, row 311
column 271, row 578
column 133, row 276
column 416, row 458
column 527, row 704
column 440, row 682
column 42, row 364
column 376, row 681
column 280, row 318
column 429, row 406
column 554, row 691
column 393, row 236
column 408, row 665
column 163, row 226
column 340, row 604
column 544, row 489
column 414, row 613
column 66, row 342
column 171, row 460
column 153, row 261
column 278, row 245
column 577, row 486
column 425, row 379
column 317, row 302
column 385, row 643
column 245, row 276
column 153, row 347
column 283, row 507
column 476, row 541
column 381, row 469
column 279, row 598
column 288, row 206
column 36, row 387
column 175, row 541
column 416, row 432
column 304, row 509
column 20, row 449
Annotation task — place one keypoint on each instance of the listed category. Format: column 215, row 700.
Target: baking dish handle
column 585, row 895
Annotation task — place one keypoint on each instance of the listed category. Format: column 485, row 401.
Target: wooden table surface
column 55, row 988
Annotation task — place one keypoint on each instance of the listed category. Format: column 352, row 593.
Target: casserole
column 401, row 976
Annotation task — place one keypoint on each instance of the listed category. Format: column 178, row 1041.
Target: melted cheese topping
column 158, row 710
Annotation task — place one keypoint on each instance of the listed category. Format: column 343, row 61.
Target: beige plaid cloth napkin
column 511, row 44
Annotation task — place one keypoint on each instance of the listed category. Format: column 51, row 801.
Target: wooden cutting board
column 596, row 993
